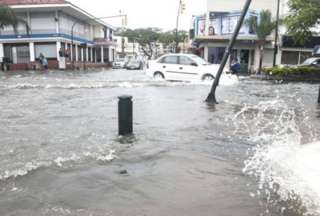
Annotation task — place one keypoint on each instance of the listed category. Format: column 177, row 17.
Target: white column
column 71, row 52
column 102, row 55
column 82, row 54
column 206, row 53
column 87, row 54
column 58, row 49
column 77, row 53
column 110, row 54
column 92, row 60
column 31, row 50
column 1, row 52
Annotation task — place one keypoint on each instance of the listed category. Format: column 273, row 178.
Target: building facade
column 56, row 25
column 213, row 30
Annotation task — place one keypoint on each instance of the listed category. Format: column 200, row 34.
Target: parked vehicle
column 316, row 51
column 134, row 65
column 118, row 64
column 311, row 62
column 181, row 67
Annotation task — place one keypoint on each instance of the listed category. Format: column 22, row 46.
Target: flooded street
column 256, row 153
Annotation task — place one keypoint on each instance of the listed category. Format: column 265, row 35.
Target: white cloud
column 144, row 13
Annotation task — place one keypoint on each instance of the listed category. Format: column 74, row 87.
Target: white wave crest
column 280, row 162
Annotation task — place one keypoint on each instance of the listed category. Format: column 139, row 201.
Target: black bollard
column 319, row 96
column 125, row 115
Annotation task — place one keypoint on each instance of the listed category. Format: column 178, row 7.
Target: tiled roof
column 28, row 2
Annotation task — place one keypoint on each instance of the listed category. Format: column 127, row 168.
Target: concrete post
column 102, row 55
column 125, row 115
column 58, row 49
column 31, row 51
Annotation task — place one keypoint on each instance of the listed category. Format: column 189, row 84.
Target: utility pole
column 212, row 95
column 181, row 9
column 276, row 47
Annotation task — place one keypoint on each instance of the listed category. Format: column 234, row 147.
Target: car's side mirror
column 194, row 64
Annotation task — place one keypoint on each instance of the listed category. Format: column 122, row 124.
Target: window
column 183, row 60
column 170, row 60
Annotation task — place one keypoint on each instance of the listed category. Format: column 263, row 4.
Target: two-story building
column 56, row 24
column 212, row 32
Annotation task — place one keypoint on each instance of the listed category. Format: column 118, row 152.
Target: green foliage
column 148, row 37
column 262, row 26
column 169, row 37
column 9, row 18
column 304, row 15
column 285, row 71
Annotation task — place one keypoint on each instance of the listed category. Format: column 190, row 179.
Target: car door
column 188, row 69
column 170, row 67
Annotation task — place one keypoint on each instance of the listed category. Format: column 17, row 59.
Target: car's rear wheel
column 208, row 77
column 158, row 76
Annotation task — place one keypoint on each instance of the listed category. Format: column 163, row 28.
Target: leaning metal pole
column 212, row 95
column 276, row 47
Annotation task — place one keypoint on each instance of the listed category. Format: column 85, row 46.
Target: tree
column 9, row 18
column 169, row 38
column 303, row 16
column 263, row 27
column 145, row 37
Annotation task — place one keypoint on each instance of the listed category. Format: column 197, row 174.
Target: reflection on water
column 252, row 154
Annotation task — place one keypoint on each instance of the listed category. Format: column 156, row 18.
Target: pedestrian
column 235, row 67
column 43, row 61
column 62, row 59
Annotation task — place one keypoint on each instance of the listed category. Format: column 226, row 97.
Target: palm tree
column 9, row 18
column 263, row 27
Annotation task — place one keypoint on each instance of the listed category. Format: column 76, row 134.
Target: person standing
column 62, row 59
column 43, row 62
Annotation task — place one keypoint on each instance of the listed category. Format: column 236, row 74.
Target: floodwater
column 256, row 153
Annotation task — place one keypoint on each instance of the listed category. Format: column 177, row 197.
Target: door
column 170, row 67
column 188, row 69
column 244, row 61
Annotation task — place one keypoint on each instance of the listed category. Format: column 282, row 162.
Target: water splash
column 281, row 162
column 61, row 162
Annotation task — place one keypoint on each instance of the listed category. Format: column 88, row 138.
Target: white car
column 118, row 64
column 181, row 67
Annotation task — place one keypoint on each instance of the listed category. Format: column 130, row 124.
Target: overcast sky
column 144, row 13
